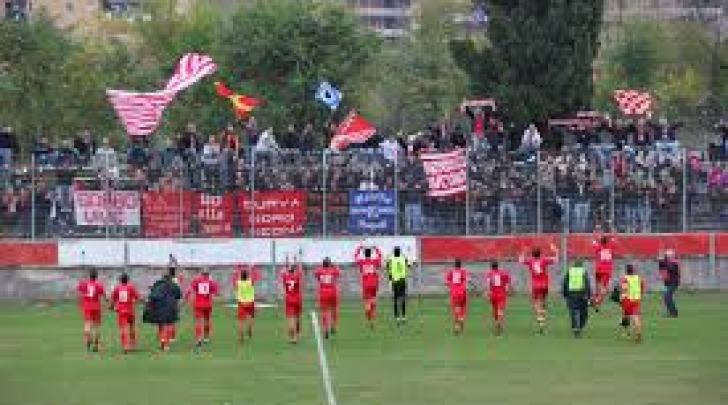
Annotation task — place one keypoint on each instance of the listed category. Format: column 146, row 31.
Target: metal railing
column 363, row 192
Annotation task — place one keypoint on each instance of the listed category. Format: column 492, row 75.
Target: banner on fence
column 100, row 208
column 166, row 214
column 446, row 173
column 371, row 212
column 274, row 214
column 214, row 214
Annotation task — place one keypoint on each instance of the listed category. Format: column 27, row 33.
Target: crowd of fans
column 627, row 177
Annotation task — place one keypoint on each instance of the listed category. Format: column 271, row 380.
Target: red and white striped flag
column 633, row 102
column 141, row 113
column 446, row 173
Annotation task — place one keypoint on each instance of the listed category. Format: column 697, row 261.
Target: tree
column 541, row 56
column 279, row 50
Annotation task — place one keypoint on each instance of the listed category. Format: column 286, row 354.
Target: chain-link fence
column 290, row 193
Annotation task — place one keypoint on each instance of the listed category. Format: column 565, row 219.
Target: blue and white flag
column 329, row 95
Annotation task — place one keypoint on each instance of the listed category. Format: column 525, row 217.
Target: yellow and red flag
column 242, row 104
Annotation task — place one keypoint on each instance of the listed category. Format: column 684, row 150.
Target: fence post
column 396, row 195
column 684, row 190
column 467, row 191
column 539, row 196
column 612, row 190
column 564, row 252
column 33, row 184
column 324, row 204
column 252, row 193
column 712, row 259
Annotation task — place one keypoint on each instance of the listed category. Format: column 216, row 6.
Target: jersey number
column 123, row 296
column 537, row 268
column 605, row 255
column 90, row 291
column 291, row 285
column 327, row 279
column 456, row 278
column 495, row 281
column 203, row 288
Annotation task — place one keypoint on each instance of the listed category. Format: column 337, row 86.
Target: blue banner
column 372, row 212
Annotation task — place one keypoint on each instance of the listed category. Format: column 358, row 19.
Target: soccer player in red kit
column 204, row 289
column 604, row 268
column 123, row 300
column 498, row 286
column 291, row 280
column 90, row 292
column 369, row 260
column 327, row 276
column 538, row 267
column 457, row 281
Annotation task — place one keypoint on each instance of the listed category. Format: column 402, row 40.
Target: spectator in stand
column 412, row 184
column 106, row 161
column 85, row 147
column 289, row 139
column 25, row 210
column 507, row 206
column 641, row 134
column 251, row 133
column 210, row 159
column 138, row 156
column 530, row 142
column 9, row 212
column 723, row 143
column 43, row 153
column 306, row 139
column 8, row 145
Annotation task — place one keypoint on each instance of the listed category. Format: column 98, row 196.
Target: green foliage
column 540, row 57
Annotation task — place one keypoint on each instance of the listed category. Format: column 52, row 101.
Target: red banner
column 28, row 254
column 166, row 214
column 437, row 250
column 215, row 214
column 276, row 213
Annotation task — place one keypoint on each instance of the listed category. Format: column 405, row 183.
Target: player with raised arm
column 203, row 289
column 538, row 267
column 90, row 292
column 327, row 276
column 603, row 268
column 457, row 282
column 369, row 260
column 498, row 287
column 123, row 300
column 291, row 281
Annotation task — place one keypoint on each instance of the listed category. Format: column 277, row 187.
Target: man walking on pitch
column 576, row 288
column 90, row 292
column 397, row 268
column 245, row 294
column 538, row 267
column 291, row 278
column 204, row 289
column 162, row 308
column 498, row 286
column 369, row 260
column 631, row 287
column 669, row 269
column 456, row 280
column 123, row 300
column 328, row 276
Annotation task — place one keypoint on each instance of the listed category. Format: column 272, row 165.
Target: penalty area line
column 325, row 374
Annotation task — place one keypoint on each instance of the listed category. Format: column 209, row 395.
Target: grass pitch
column 682, row 361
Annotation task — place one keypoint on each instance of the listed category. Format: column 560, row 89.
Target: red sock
column 162, row 335
column 124, row 340
column 198, row 330
column 172, row 331
column 208, row 326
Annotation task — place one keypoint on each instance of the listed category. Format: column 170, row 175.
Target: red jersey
column 203, row 288
column 124, row 297
column 457, row 280
column 327, row 278
column 90, row 293
column 498, row 282
column 292, row 285
column 369, row 267
column 539, row 269
column 604, row 257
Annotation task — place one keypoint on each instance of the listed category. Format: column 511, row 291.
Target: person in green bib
column 631, row 287
column 576, row 289
column 245, row 294
column 398, row 267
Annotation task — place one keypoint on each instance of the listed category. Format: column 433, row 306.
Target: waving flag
column 633, row 102
column 141, row 112
column 329, row 95
column 446, row 173
column 354, row 129
column 242, row 105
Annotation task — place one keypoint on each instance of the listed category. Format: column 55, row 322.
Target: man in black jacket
column 669, row 269
column 162, row 308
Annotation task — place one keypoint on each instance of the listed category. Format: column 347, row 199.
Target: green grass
column 682, row 361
